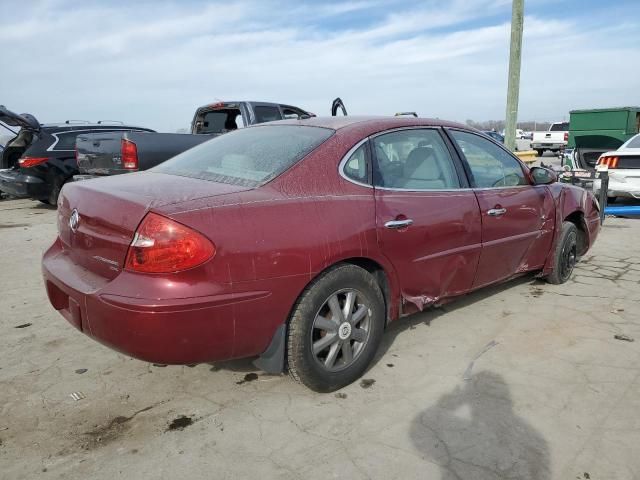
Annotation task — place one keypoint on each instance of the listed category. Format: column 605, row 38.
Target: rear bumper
column 79, row 178
column 17, row 184
column 619, row 189
column 164, row 329
column 547, row 146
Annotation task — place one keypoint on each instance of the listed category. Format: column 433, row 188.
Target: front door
column 517, row 217
column 428, row 224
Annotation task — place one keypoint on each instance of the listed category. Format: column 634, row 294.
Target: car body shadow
column 473, row 432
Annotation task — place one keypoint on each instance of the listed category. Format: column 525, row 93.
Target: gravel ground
column 524, row 380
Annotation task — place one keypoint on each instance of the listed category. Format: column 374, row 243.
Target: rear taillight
column 610, row 162
column 566, row 136
column 162, row 245
column 26, row 162
column 129, row 153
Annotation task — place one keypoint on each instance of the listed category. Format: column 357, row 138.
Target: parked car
column 596, row 131
column 555, row 139
column 495, row 135
column 41, row 159
column 113, row 153
column 299, row 241
column 623, row 166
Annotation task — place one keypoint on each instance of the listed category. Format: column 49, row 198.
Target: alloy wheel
column 341, row 330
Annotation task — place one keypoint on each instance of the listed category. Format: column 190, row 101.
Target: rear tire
column 565, row 255
column 611, row 199
column 326, row 349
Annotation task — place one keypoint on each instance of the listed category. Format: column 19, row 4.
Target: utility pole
column 513, row 88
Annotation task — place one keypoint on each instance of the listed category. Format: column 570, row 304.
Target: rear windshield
column 634, row 143
column 219, row 121
column 559, row 127
column 247, row 157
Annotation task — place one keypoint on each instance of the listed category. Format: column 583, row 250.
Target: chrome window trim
column 346, row 158
column 388, row 189
column 91, row 130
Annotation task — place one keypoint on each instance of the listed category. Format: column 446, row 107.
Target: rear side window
column 219, row 121
column 291, row 113
column 66, row 141
column 356, row 166
column 414, row 159
column 491, row 166
column 248, row 157
column 267, row 114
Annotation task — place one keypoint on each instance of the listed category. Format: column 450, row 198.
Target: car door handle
column 397, row 224
column 496, row 212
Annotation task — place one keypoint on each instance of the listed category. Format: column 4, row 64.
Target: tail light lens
column 26, row 162
column 566, row 136
column 162, row 245
column 129, row 153
column 610, row 162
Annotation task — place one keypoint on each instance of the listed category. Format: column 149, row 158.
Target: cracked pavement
column 556, row 397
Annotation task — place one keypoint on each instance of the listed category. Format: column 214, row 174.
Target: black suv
column 41, row 158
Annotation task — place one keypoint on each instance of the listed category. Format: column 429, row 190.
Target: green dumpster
column 595, row 131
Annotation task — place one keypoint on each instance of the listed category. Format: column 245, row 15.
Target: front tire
column 540, row 152
column 335, row 328
column 565, row 255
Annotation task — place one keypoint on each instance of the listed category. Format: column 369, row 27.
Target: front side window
column 490, row 165
column 414, row 159
column 248, row 157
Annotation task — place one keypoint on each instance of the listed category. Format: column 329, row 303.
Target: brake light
column 129, row 153
column 610, row 162
column 566, row 136
column 26, row 162
column 162, row 245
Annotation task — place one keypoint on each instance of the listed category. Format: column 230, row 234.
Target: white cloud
column 153, row 63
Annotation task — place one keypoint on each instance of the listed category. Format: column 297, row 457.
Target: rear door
column 517, row 217
column 428, row 220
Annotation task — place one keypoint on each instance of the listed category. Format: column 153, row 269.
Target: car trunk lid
column 97, row 219
column 24, row 120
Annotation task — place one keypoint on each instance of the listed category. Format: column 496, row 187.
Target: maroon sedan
column 298, row 241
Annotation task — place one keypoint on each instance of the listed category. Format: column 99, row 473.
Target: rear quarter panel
column 278, row 238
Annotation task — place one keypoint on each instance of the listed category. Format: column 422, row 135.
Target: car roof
column 375, row 122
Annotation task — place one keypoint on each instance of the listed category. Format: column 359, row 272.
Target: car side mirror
column 543, row 176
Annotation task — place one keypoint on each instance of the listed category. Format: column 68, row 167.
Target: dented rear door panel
column 436, row 257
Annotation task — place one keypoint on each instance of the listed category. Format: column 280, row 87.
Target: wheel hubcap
column 340, row 330
column 344, row 331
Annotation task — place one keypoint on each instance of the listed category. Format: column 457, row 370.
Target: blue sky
column 153, row 62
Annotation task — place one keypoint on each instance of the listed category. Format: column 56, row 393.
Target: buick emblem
column 74, row 220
